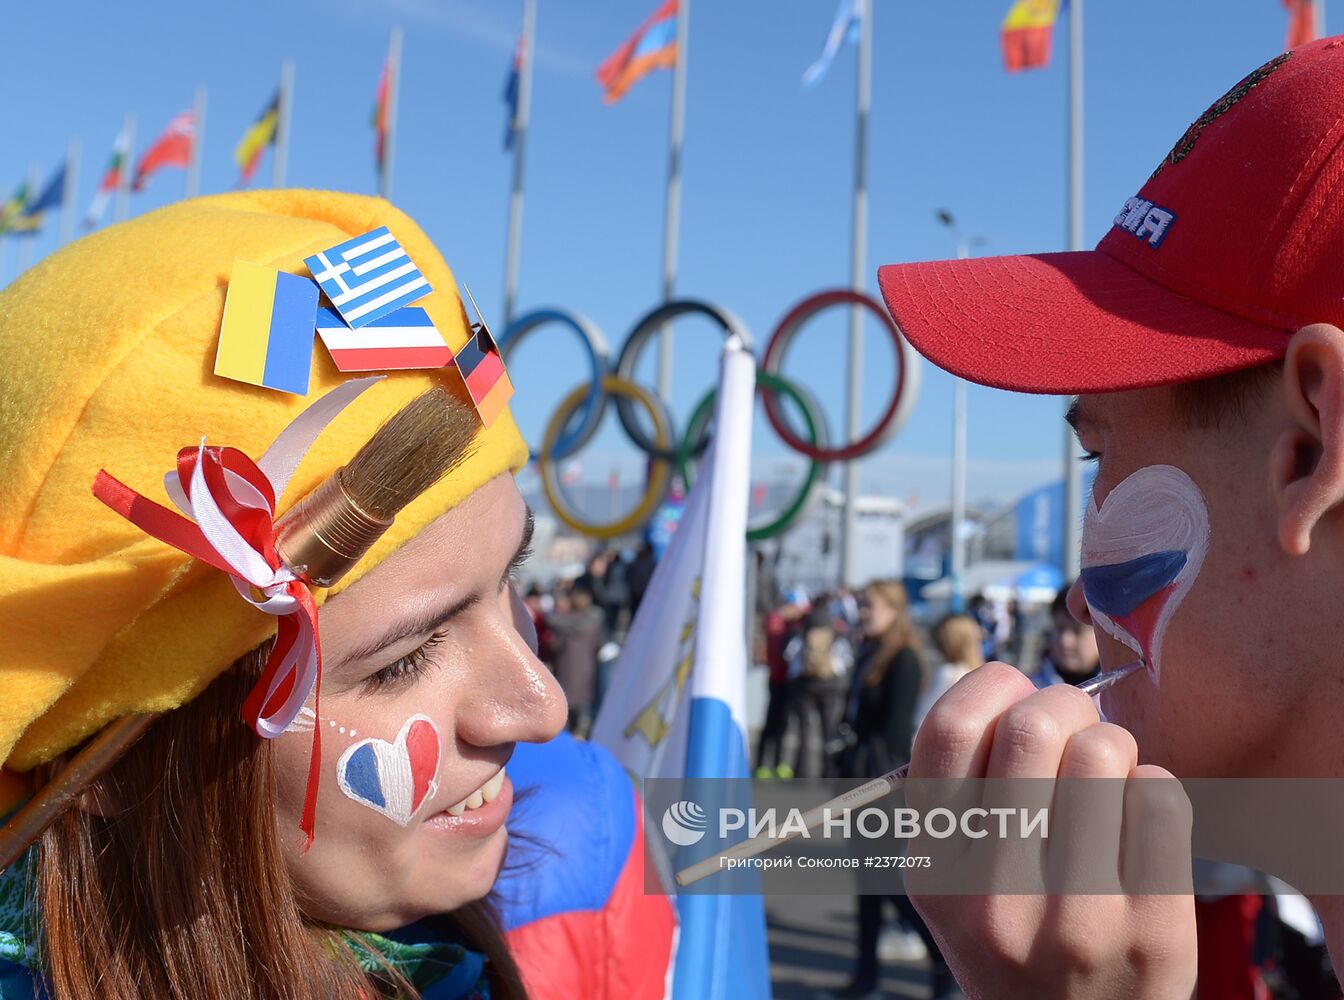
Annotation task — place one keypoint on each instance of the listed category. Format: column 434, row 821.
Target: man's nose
column 1077, row 603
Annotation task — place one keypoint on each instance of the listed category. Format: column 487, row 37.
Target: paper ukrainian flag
column 270, row 319
column 1027, row 32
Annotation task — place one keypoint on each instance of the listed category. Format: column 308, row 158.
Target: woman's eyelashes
column 407, row 668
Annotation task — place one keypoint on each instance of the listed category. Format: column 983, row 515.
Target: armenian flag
column 1301, row 22
column 1027, row 33
column 116, row 165
column 171, row 149
column 653, row 46
column 247, row 154
column 269, row 322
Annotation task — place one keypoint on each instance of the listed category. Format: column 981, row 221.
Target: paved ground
column 812, row 949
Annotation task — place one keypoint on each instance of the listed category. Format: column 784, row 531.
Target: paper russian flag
column 406, row 338
column 266, row 338
column 482, row 370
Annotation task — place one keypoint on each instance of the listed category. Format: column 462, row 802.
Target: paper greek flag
column 368, row 277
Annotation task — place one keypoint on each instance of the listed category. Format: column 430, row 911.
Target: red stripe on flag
column 374, row 359
column 1027, row 48
column 482, row 378
column 1301, row 22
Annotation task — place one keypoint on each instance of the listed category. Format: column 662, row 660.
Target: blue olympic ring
column 579, row 431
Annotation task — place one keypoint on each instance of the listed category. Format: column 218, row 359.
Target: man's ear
column 1307, row 461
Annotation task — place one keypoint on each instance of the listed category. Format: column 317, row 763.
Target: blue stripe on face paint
column 361, row 776
column 1119, row 588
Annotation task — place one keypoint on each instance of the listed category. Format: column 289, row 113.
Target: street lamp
column 964, row 246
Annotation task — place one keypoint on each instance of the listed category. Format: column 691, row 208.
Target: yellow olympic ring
column 659, row 480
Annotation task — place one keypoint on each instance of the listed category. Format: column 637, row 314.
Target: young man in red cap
column 1203, row 340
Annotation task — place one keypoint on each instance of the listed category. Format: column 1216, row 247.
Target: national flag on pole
column 50, row 197
column 1027, row 32
column 266, row 337
column 1301, row 22
column 171, row 149
column 379, row 117
column 259, row 135
column 846, row 27
column 14, row 217
column 653, row 46
column 406, row 338
column 367, row 277
column 511, row 89
column 677, row 703
column 111, row 180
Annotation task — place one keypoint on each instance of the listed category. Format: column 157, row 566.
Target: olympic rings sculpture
column 580, row 413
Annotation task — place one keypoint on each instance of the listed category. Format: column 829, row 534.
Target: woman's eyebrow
column 425, row 622
column 436, row 618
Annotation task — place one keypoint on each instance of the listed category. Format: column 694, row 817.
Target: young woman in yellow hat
column 184, row 870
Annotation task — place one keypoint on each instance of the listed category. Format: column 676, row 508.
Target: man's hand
column 995, row 724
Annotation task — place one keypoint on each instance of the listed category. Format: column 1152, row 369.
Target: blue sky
column 767, row 165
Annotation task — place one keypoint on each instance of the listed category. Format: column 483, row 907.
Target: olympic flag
column 676, row 706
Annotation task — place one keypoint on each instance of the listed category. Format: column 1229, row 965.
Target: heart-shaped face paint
column 1141, row 553
column 394, row 778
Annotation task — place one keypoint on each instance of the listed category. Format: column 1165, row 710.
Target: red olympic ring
column 773, row 361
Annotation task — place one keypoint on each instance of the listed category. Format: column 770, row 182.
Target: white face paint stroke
column 1157, row 509
column 307, row 718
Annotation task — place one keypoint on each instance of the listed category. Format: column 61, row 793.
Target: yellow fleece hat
column 109, row 348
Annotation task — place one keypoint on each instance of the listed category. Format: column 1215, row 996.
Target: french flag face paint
column 395, row 778
column 1141, row 553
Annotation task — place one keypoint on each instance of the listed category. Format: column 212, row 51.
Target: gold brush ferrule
column 326, row 533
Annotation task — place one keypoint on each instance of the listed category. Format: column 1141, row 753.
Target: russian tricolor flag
column 661, row 722
column 406, row 338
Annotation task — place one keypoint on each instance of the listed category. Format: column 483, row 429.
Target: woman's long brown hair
column 899, row 635
column 182, row 891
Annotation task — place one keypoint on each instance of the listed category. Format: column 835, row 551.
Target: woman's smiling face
column 429, row 679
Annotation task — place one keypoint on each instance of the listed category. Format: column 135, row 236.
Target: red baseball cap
column 1235, row 242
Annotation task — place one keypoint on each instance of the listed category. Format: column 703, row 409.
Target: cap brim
column 1066, row 323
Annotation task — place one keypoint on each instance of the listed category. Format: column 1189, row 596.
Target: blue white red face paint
column 1141, row 552
column 395, row 778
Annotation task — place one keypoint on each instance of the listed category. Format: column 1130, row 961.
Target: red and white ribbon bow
column 232, row 501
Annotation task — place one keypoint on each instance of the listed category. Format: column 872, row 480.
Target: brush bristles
column 419, row 445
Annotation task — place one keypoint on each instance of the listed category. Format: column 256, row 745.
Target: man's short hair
column 1223, row 400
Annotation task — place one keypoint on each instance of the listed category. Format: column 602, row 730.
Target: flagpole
column 672, row 217
column 122, row 209
column 70, row 191
column 28, row 238
column 519, row 127
column 858, row 266
column 1073, row 484
column 197, row 144
column 393, row 86
column 280, row 156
